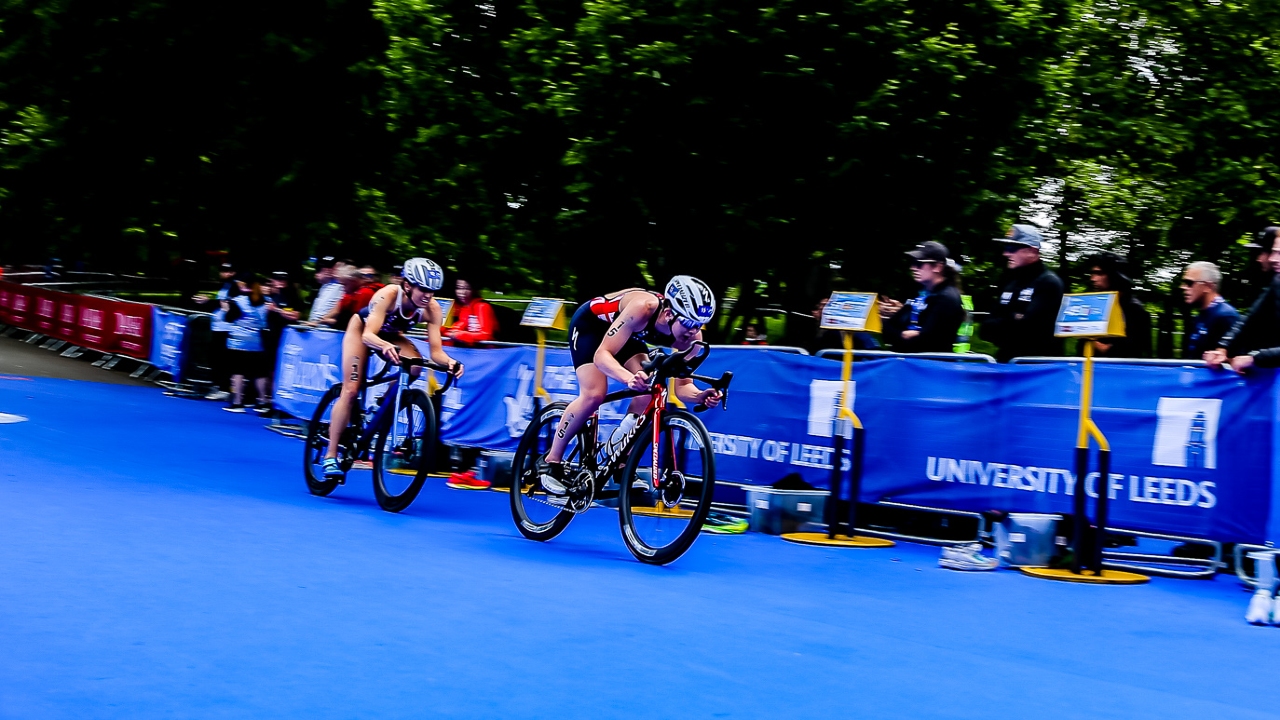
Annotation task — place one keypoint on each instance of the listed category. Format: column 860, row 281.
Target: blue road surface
column 160, row 558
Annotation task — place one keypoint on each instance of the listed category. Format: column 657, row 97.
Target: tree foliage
column 575, row 148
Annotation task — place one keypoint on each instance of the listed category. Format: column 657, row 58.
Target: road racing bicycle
column 400, row 432
column 661, row 474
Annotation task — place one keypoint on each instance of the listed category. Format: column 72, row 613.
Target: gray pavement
column 19, row 358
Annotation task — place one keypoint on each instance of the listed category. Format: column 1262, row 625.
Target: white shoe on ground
column 966, row 557
column 1260, row 609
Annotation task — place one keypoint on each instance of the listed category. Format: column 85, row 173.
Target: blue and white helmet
column 691, row 300
column 423, row 273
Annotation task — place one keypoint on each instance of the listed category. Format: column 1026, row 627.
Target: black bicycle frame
column 369, row 429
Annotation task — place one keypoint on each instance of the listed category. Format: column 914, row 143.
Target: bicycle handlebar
column 678, row 365
column 406, row 363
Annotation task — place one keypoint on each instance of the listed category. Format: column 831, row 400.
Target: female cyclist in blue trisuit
column 381, row 327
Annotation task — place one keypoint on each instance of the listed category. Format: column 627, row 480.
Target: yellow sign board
column 851, row 311
column 1090, row 315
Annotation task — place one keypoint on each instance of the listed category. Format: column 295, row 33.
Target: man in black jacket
column 1255, row 338
column 930, row 321
column 1022, row 323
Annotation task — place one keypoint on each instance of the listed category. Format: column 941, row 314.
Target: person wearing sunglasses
column 1216, row 316
column 381, row 327
column 930, row 321
column 609, row 338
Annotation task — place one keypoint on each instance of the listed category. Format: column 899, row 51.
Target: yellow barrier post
column 846, row 312
column 1087, row 316
column 541, row 314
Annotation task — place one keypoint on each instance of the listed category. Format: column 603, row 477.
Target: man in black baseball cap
column 1021, row 322
column 1266, row 238
column 1255, row 338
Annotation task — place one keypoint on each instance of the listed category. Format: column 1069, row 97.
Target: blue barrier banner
column 167, row 331
column 1192, row 449
column 306, row 367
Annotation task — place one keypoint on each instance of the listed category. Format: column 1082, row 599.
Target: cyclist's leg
column 593, row 385
column 355, row 356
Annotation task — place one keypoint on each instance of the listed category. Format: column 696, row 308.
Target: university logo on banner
column 824, row 401
column 1187, row 433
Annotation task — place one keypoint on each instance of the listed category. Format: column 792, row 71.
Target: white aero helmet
column 423, row 273
column 691, row 300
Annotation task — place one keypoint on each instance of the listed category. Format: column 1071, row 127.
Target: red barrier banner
column 102, row 324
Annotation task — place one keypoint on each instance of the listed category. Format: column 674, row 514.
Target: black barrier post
column 1104, row 500
column 831, row 513
column 855, row 475
column 1079, row 518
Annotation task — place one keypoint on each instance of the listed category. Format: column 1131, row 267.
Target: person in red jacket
column 474, row 319
column 474, row 323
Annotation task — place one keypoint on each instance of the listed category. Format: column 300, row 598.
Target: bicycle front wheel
column 404, row 451
column 667, row 491
column 317, row 443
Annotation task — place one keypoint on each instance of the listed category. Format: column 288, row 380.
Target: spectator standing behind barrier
column 1021, row 323
column 930, row 321
column 474, row 321
column 1200, row 283
column 1259, row 331
column 221, row 331
column 752, row 335
column 331, row 290
column 283, row 299
column 360, row 285
column 1109, row 272
column 248, row 317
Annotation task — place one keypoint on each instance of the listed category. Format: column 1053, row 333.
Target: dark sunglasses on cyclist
column 690, row 324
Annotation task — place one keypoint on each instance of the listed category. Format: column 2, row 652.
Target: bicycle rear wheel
column 660, row 523
column 540, row 516
column 317, row 443
column 402, row 459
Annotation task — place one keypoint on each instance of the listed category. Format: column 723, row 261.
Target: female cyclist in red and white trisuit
column 381, row 326
column 607, row 339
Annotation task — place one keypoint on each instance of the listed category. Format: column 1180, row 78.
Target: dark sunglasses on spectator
column 921, row 263
column 1190, row 283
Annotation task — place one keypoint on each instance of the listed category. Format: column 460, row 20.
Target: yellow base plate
column 1108, row 577
column 402, row 471
column 821, row 540
column 663, row 512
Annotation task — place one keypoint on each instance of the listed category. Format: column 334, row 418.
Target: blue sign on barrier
column 1192, row 448
column 167, row 331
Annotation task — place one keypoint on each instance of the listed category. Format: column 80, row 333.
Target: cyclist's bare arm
column 687, row 391
column 379, row 305
column 435, row 319
column 633, row 314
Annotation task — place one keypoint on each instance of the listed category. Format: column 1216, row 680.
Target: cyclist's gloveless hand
column 391, row 354
column 639, row 382
column 710, row 398
column 456, row 370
